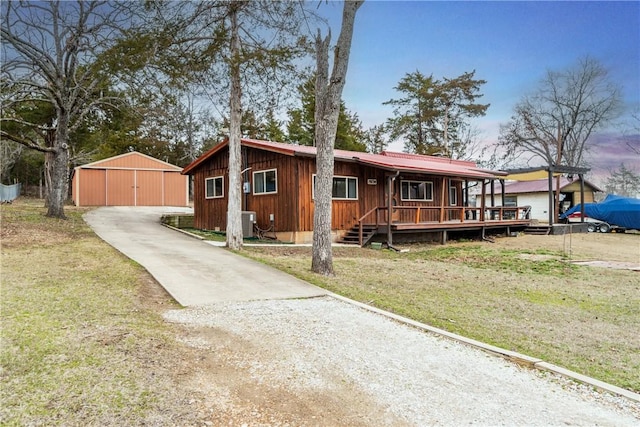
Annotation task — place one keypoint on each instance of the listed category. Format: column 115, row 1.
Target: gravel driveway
column 416, row 377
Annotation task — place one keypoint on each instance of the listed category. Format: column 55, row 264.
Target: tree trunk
column 328, row 95
column 59, row 186
column 57, row 166
column 234, row 212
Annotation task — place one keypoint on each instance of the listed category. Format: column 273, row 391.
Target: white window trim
column 213, row 178
column 313, row 188
column 264, row 172
column 430, row 183
column 453, row 191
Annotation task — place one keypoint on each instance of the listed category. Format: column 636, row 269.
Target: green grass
column 531, row 301
column 76, row 345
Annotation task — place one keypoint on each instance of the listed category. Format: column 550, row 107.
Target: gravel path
column 316, row 344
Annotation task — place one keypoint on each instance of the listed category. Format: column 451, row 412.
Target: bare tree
column 554, row 123
column 328, row 95
column 231, row 52
column 623, row 182
column 632, row 134
column 9, row 154
column 234, row 206
column 50, row 48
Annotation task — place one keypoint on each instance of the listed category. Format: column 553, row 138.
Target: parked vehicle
column 613, row 213
column 593, row 224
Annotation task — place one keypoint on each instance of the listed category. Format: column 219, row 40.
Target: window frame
column 410, row 199
column 453, row 191
column 346, row 178
column 214, row 178
column 264, row 174
column 510, row 201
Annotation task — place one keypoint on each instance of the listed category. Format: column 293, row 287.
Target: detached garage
column 131, row 179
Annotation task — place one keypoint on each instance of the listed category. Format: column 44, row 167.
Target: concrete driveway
column 192, row 271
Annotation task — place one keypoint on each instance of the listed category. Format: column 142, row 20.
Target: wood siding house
column 427, row 194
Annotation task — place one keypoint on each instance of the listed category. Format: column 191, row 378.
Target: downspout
column 392, row 179
column 245, row 177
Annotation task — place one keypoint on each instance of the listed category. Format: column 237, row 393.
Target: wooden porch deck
column 453, row 225
column 416, row 219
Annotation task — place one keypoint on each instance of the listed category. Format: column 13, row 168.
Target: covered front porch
column 436, row 219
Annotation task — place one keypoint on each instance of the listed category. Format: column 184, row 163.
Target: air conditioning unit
column 248, row 219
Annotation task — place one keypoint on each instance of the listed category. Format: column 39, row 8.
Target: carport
column 130, row 179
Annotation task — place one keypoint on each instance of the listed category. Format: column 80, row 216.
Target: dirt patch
column 617, row 247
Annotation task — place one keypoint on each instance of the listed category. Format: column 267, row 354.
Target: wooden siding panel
column 148, row 188
column 345, row 213
column 284, row 204
column 175, row 189
column 120, row 187
column 91, row 187
column 211, row 214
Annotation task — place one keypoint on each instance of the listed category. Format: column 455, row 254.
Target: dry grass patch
column 83, row 343
column 78, row 346
column 528, row 299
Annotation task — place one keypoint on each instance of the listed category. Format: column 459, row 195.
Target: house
column 536, row 194
column 427, row 194
column 130, row 179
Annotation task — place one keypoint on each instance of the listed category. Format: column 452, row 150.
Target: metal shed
column 130, row 179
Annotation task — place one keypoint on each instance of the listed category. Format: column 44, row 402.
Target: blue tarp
column 615, row 210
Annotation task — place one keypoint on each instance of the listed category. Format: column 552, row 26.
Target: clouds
column 509, row 44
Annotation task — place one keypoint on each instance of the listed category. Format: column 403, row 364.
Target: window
column 344, row 188
column 453, row 195
column 214, row 187
column 416, row 190
column 511, row 201
column 265, row 182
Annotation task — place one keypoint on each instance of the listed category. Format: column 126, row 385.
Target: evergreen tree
column 432, row 115
column 301, row 126
column 375, row 139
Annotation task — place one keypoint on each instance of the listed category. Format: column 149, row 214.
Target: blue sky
column 509, row 44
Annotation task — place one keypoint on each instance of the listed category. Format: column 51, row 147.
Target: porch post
column 391, row 180
column 466, row 192
column 483, row 202
column 493, row 193
column 550, row 179
column 581, row 176
column 502, row 191
column 444, row 190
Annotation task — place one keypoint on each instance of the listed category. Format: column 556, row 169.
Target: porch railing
column 442, row 214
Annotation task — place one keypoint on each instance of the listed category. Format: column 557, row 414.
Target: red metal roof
column 391, row 161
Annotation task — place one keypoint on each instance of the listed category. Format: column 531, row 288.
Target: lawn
column 527, row 299
column 83, row 341
column 79, row 345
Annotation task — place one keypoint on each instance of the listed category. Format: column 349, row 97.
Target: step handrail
column 361, row 223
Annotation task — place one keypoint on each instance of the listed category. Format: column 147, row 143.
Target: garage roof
column 132, row 160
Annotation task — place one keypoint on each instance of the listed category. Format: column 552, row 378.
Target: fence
column 8, row 193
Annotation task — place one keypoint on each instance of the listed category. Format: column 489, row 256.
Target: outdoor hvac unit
column 248, row 219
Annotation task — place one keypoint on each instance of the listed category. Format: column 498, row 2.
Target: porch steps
column 540, row 230
column 352, row 237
